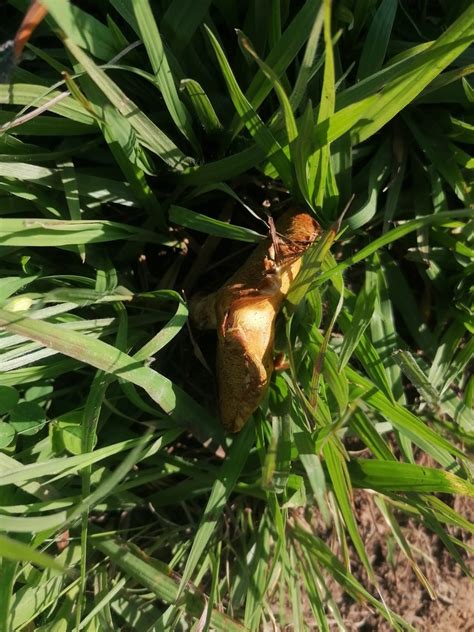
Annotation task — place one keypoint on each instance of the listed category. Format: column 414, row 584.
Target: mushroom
column 244, row 312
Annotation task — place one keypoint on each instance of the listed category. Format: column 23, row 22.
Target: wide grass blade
column 40, row 232
column 14, row 550
column 405, row 477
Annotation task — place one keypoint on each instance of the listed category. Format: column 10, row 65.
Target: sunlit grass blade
column 307, row 65
column 410, row 368
column 156, row 577
column 72, row 197
column 281, row 56
column 197, row 221
column 397, row 94
column 150, row 135
column 222, row 488
column 11, row 549
column 85, row 30
column 363, row 310
column 38, row 96
column 407, row 423
column 102, row 356
column 51, row 232
column 263, row 136
column 321, row 552
column 393, row 235
column 341, row 483
column 389, row 516
column 163, row 74
column 406, row 477
column 319, row 161
column 202, row 106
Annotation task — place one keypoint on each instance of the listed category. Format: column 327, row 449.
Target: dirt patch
column 453, row 607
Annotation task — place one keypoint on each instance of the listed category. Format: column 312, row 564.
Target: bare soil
column 453, row 607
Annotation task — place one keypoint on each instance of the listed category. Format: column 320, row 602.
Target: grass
column 139, row 143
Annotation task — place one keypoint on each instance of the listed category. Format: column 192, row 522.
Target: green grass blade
column 167, row 395
column 13, row 550
column 263, row 136
column 410, row 368
column 376, row 41
column 399, row 93
column 197, row 221
column 307, row 65
column 281, row 56
column 164, row 77
column 202, row 106
column 150, row 135
column 39, row 96
column 36, row 232
column 341, row 483
column 363, row 311
column 156, row 577
column 407, row 423
column 85, row 30
column 319, row 161
column 394, row 235
column 181, row 20
column 222, row 488
column 405, row 477
column 71, row 192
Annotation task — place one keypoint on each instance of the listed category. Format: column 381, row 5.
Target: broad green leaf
column 7, row 433
column 9, row 397
column 27, row 418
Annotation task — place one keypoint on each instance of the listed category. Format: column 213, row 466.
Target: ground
column 454, row 607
